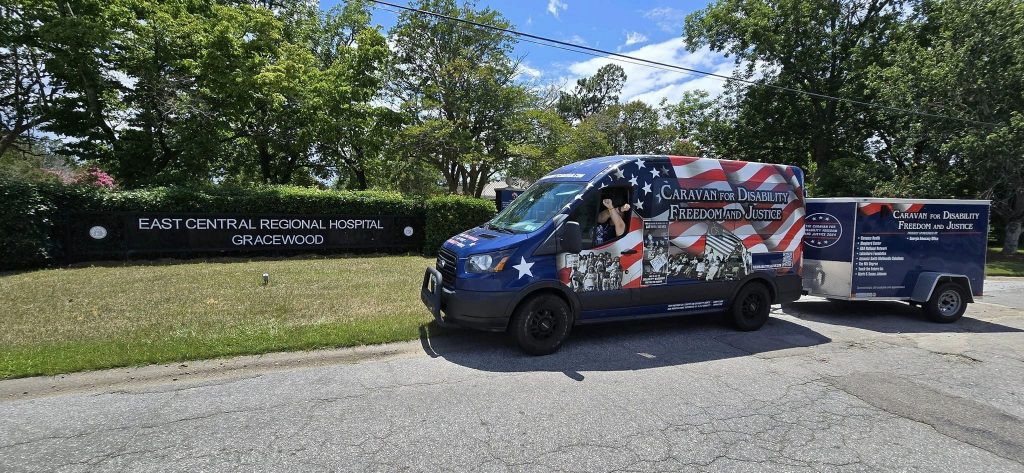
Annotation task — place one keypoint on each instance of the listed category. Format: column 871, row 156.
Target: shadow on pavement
column 621, row 346
column 886, row 317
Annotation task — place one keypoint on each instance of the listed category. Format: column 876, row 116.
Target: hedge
column 27, row 216
column 33, row 214
column 449, row 215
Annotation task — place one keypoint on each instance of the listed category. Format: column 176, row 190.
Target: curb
column 199, row 372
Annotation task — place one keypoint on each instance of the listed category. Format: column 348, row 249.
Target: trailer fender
column 926, row 282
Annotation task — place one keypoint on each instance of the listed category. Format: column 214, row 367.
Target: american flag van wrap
column 694, row 219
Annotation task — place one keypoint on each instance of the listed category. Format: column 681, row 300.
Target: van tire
column 947, row 304
column 750, row 308
column 541, row 323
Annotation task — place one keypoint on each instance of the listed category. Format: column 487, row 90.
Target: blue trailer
column 928, row 252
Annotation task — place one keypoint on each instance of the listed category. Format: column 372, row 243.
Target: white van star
column 524, row 268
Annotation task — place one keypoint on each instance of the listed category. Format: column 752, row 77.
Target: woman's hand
column 624, row 208
column 607, row 203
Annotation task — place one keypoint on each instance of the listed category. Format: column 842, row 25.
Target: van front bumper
column 478, row 310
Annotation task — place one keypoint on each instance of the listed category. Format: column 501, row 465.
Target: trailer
column 928, row 252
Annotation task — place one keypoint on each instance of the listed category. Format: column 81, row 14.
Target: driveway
column 822, row 387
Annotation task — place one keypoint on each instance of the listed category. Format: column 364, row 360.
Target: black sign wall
column 107, row 234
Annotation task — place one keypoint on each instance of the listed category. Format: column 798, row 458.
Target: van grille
column 446, row 262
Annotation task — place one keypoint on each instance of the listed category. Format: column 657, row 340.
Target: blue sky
column 647, row 29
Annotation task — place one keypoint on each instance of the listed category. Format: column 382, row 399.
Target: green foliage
column 634, row 128
column 26, row 219
column 191, row 92
column 271, row 199
column 459, row 84
column 550, row 142
column 820, row 46
column 451, row 214
column 965, row 60
column 592, row 94
column 851, row 178
column 25, row 96
column 130, row 88
column 352, row 132
column 696, row 123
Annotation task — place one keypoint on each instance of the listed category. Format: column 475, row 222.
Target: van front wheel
column 750, row 308
column 541, row 323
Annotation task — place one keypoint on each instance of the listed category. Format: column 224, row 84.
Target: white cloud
column 526, row 71
column 635, row 37
column 556, row 6
column 651, row 84
column 668, row 19
column 577, row 39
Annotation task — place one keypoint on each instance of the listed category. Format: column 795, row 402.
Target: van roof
column 590, row 169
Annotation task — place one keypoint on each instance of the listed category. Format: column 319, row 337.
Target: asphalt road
column 822, row 387
column 1004, row 291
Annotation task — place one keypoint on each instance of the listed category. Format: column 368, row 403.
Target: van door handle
column 628, row 252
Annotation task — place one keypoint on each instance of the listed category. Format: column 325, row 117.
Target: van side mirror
column 570, row 239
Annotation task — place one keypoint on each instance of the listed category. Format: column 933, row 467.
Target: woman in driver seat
column 611, row 222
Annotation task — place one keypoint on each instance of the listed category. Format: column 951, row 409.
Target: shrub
column 449, row 215
column 269, row 199
column 26, row 223
column 96, row 177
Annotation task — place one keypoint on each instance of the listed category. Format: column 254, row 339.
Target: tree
column 26, row 90
column 459, row 83
column 353, row 131
column 130, row 97
column 266, row 92
column 697, row 125
column 549, row 142
column 820, row 46
column 543, row 133
column 592, row 94
column 966, row 61
column 633, row 128
column 585, row 141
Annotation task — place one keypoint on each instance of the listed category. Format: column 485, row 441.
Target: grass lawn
column 71, row 319
column 999, row 265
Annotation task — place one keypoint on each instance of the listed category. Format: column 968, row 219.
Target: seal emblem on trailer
column 822, row 230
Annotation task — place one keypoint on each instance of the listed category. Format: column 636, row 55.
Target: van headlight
column 487, row 262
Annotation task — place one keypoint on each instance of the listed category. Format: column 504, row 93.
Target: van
column 625, row 238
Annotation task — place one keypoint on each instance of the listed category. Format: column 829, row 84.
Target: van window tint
column 586, row 215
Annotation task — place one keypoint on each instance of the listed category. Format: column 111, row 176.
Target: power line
column 596, row 52
column 588, row 53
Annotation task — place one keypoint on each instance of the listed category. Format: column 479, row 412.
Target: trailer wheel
column 541, row 323
column 750, row 308
column 948, row 303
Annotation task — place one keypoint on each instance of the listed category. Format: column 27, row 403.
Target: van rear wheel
column 541, row 323
column 750, row 308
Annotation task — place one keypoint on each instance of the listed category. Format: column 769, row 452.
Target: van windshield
column 535, row 206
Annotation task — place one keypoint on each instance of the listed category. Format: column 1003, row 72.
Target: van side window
column 586, row 215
